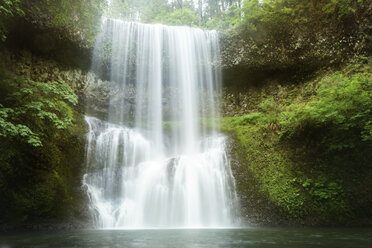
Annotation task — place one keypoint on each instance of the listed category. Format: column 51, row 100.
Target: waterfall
column 157, row 161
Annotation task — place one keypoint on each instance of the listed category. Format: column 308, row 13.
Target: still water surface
column 196, row 238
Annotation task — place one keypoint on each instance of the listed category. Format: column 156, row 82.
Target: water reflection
column 196, row 238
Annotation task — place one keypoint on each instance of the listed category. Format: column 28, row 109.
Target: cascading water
column 155, row 162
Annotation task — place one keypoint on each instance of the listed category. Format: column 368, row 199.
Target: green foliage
column 272, row 17
column 269, row 164
column 322, row 190
column 117, row 9
column 211, row 14
column 41, row 149
column 30, row 111
column 307, row 146
column 267, row 105
column 41, row 184
column 343, row 103
column 225, row 20
column 82, row 14
column 137, row 10
column 154, row 11
column 8, row 9
column 178, row 17
column 76, row 18
column 277, row 18
column 282, row 17
column 151, row 9
column 326, row 195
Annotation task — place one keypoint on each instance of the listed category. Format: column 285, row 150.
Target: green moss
column 267, row 162
column 301, row 174
column 342, row 103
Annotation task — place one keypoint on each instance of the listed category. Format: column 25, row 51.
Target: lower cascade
column 158, row 162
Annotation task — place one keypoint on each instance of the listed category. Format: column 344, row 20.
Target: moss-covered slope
column 303, row 151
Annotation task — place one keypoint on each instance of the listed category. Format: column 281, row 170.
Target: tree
column 178, row 17
column 116, row 9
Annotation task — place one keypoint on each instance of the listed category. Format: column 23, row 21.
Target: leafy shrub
column 30, row 111
column 8, row 9
column 343, row 104
column 41, row 150
column 267, row 104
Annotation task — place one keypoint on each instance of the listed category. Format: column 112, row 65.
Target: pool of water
column 195, row 238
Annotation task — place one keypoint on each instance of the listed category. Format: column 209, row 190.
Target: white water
column 155, row 163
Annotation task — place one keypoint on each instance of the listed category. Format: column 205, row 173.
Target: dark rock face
column 296, row 52
column 76, row 22
column 249, row 59
column 49, row 43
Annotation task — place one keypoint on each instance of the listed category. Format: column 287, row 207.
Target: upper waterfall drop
column 155, row 162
